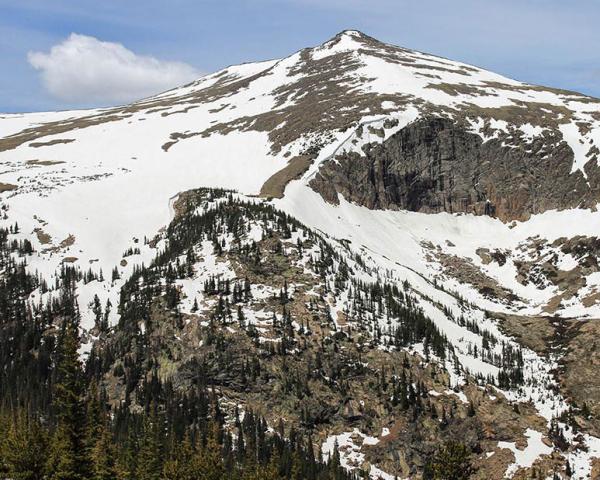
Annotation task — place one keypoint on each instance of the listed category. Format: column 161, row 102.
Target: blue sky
column 547, row 42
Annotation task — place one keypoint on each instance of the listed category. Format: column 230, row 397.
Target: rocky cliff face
column 438, row 165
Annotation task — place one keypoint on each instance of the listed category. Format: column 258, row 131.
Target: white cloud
column 83, row 69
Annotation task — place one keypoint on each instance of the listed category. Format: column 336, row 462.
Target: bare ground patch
column 43, row 237
column 7, row 187
column 67, row 242
column 51, row 142
column 275, row 185
column 535, row 333
column 465, row 271
column 43, row 163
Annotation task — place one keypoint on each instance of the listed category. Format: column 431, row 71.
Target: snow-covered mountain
column 477, row 190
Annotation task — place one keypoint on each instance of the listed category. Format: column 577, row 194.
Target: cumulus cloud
column 83, row 69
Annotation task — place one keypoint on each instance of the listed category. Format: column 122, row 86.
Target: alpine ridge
column 376, row 254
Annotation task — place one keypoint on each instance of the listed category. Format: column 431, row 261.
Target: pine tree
column 471, row 410
column 106, row 316
column 126, row 462
column 149, row 465
column 103, row 456
column 63, row 462
column 97, row 310
column 181, row 466
column 24, row 449
column 207, row 462
column 451, row 462
column 94, row 417
column 271, row 470
column 68, row 459
column 296, row 469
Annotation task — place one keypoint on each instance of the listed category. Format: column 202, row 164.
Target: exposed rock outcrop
column 438, row 165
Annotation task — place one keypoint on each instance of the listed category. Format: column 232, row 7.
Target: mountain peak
column 351, row 33
column 350, row 38
column 347, row 41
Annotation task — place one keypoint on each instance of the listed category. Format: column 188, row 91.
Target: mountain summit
column 317, row 95
column 353, row 120
column 387, row 251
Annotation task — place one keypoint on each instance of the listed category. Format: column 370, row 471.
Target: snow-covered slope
column 89, row 185
column 104, row 178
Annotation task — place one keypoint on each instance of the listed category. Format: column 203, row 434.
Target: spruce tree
column 149, row 461
column 181, row 466
column 68, row 459
column 103, row 455
column 94, row 417
column 208, row 462
column 452, row 461
column 63, row 461
column 23, row 451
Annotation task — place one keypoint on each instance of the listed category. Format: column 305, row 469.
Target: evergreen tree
column 149, row 461
column 23, row 451
column 68, row 459
column 64, row 461
column 103, row 455
column 452, row 461
column 94, row 417
column 181, row 465
column 208, row 462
